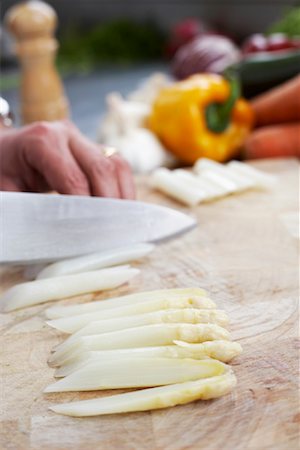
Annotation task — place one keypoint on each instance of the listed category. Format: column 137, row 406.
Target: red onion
column 208, row 53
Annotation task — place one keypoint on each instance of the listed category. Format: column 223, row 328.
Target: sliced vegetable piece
column 187, row 315
column 227, row 186
column 96, row 261
column 164, row 180
column 75, row 323
column 137, row 372
column 41, row 291
column 147, row 336
column 262, row 179
column 162, row 294
column 241, row 182
column 222, row 350
column 210, row 191
column 153, row 398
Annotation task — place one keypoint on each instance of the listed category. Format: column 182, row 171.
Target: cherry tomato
column 255, row 43
column 275, row 42
column 278, row 41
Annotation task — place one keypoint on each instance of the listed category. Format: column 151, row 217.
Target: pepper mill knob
column 42, row 96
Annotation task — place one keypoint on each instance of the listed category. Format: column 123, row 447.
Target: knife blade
column 42, row 228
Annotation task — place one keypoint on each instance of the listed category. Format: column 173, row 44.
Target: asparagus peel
column 149, row 399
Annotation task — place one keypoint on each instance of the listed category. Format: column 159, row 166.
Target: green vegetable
column 270, row 67
column 218, row 115
column 122, row 41
column 289, row 24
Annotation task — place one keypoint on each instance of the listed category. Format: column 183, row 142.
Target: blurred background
column 240, row 17
column 111, row 45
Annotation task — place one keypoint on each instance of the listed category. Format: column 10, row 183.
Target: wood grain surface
column 243, row 254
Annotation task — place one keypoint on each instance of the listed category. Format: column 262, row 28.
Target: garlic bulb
column 122, row 115
column 125, row 127
column 147, row 91
column 142, row 149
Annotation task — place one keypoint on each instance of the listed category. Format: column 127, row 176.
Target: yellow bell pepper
column 202, row 116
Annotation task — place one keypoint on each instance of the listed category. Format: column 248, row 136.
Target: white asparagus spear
column 187, row 315
column 41, row 291
column 224, row 351
column 227, row 186
column 137, row 372
column 261, row 179
column 215, row 189
column 153, row 398
column 210, row 190
column 164, row 180
column 241, row 181
column 96, row 261
column 146, row 336
column 55, row 312
column 75, row 323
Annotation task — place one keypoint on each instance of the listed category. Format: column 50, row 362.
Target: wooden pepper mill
column 42, row 96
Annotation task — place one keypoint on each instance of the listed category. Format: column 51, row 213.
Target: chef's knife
column 38, row 227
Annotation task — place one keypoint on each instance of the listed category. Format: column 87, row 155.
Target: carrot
column 274, row 141
column 279, row 105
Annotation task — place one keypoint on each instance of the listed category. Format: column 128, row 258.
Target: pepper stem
column 218, row 115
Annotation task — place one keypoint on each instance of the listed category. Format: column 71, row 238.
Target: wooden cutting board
column 243, row 254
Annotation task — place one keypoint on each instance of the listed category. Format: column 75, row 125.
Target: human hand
column 48, row 156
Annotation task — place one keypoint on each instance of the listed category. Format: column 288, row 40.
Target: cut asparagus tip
column 150, row 399
column 57, row 312
column 222, row 350
column 184, row 315
column 219, row 349
column 137, row 372
column 74, row 323
column 145, row 336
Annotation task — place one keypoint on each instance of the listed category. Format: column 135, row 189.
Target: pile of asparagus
column 174, row 343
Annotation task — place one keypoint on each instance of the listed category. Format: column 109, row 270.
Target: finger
column 39, row 183
column 100, row 171
column 58, row 167
column 125, row 178
column 10, row 184
column 34, row 181
column 102, row 175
